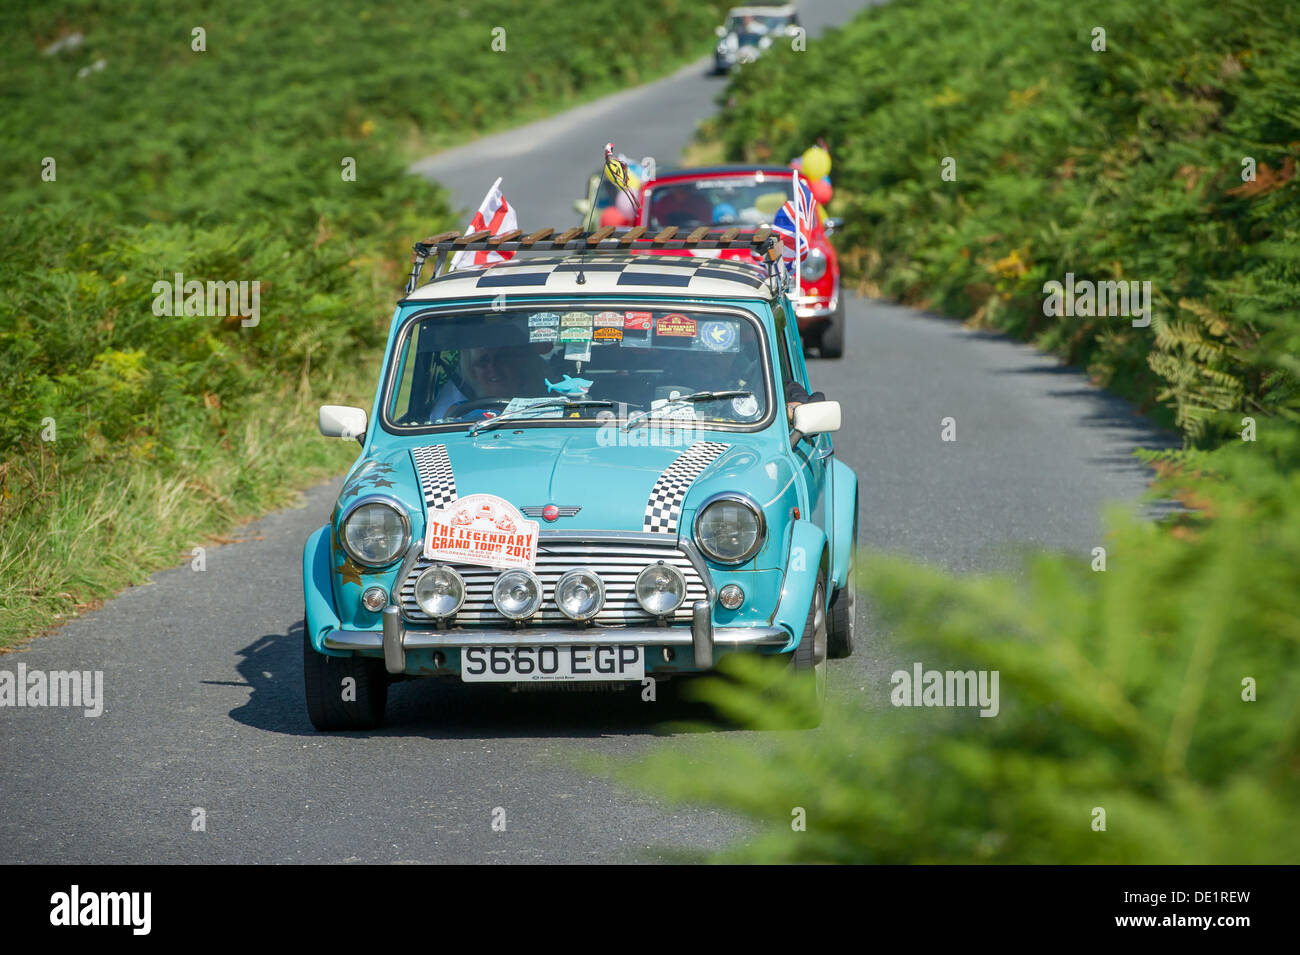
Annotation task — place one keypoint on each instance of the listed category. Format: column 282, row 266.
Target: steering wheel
column 476, row 404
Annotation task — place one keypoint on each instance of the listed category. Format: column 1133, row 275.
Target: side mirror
column 721, row 32
column 817, row 417
column 341, row 421
column 831, row 224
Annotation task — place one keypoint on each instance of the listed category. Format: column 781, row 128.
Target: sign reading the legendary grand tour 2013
column 481, row 529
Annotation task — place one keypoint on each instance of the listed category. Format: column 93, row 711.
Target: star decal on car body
column 349, row 572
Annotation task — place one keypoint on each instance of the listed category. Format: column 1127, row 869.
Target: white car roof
column 694, row 276
column 784, row 11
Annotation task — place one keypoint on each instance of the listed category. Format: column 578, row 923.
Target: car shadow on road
column 435, row 709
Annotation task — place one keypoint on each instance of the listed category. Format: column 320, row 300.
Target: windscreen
column 460, row 368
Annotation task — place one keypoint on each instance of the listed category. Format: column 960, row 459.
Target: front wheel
column 808, row 664
column 343, row 693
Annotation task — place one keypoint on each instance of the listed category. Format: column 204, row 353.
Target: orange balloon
column 822, row 191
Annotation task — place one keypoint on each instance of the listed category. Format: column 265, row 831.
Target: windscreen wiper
column 546, row 403
column 693, row 398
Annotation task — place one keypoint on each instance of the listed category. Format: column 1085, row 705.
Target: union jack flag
column 794, row 226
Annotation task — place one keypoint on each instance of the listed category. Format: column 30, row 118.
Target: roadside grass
column 126, row 438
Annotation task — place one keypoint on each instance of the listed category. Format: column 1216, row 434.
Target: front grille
column 616, row 561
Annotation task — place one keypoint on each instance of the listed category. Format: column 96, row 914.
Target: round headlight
column 374, row 532
column 439, row 591
column 579, row 594
column 729, row 528
column 517, row 594
column 814, row 266
column 660, row 589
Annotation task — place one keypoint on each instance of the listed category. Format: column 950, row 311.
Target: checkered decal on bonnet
column 436, row 478
column 665, row 504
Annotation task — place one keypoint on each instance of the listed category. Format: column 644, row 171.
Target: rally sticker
column 636, row 321
column 718, row 336
column 746, row 406
column 542, row 334
column 676, row 325
column 543, row 319
column 608, row 319
column 609, row 335
column 575, row 334
column 571, row 319
column 481, row 529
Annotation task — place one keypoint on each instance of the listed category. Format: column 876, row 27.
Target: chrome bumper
column 701, row 637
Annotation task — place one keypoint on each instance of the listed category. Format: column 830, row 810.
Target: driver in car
column 503, row 372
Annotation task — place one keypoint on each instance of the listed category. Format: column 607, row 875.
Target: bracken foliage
column 226, row 165
column 1161, row 690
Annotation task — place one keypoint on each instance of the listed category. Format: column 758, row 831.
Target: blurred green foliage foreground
column 1163, row 691
column 128, row 155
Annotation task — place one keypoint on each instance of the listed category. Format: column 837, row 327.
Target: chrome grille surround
column 616, row 557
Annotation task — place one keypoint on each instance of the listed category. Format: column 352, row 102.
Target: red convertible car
column 749, row 197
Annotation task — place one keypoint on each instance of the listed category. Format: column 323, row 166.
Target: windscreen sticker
column 607, row 336
column 636, row 321
column 542, row 334
column 575, row 334
column 675, row 325
column 481, row 529
column 578, row 351
column 608, row 320
column 544, row 319
column 719, row 336
column 746, row 406
column 575, row 319
column 518, row 404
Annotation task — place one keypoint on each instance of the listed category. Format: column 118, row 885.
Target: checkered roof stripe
column 669, row 271
column 436, row 478
column 664, row 508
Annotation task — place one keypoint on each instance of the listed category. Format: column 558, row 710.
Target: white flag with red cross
column 498, row 217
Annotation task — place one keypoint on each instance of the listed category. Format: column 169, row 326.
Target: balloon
column 796, row 163
column 614, row 216
column 724, row 213
column 822, row 192
column 624, row 205
column 816, row 162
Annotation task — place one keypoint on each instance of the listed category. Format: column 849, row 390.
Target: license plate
column 544, row 664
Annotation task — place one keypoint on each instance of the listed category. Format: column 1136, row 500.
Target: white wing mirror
column 341, row 421
column 817, row 417
column 720, row 31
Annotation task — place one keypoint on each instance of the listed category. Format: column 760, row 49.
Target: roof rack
column 761, row 242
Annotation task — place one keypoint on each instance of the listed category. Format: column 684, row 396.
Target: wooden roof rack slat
column 473, row 237
column 631, row 235
column 568, row 235
column 600, row 235
column 761, row 235
column 729, row 235
column 537, row 236
column 665, row 234
column 695, row 237
column 441, row 237
column 505, row 237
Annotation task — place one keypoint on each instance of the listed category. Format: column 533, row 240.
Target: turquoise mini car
column 586, row 464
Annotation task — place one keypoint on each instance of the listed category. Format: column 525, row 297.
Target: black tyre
column 332, row 703
column 808, row 663
column 832, row 340
column 843, row 615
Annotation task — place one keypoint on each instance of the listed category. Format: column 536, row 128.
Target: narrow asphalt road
column 203, row 674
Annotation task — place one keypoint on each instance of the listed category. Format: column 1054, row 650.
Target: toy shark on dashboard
column 569, row 387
